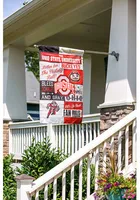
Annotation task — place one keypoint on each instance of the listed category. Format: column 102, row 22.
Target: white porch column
column 87, row 83
column 14, row 91
column 121, row 75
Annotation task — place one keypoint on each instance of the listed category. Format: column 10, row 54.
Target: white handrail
column 65, row 165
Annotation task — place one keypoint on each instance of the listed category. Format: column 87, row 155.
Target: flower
column 115, row 183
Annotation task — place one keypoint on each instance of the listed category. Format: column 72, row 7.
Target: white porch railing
column 69, row 138
column 124, row 131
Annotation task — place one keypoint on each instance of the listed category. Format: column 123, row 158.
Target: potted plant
column 113, row 185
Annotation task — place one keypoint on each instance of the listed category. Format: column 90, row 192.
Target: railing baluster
column 64, row 186
column 66, row 139
column 56, row 136
column 96, row 166
column 88, row 175
column 94, row 130
column 55, row 189
column 82, row 135
column 40, row 133
column 90, row 132
column 80, row 138
column 63, row 138
column 69, row 140
column 37, row 195
column 104, row 157
column 22, row 140
column 59, row 137
column 27, row 138
column 119, row 151
column 86, row 133
column 80, row 179
column 46, row 192
column 30, row 130
column 13, row 142
column 98, row 129
column 126, row 145
column 72, row 184
column 44, row 132
column 134, row 142
column 14, row 147
column 18, row 140
column 72, row 139
column 112, row 144
column 75, row 137
column 35, row 135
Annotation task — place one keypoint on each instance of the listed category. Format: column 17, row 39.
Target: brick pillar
column 109, row 116
column 5, row 138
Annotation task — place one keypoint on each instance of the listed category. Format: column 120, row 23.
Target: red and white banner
column 61, row 85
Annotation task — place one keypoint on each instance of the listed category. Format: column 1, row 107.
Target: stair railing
column 124, row 132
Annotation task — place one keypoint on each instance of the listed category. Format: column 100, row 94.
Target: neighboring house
column 32, row 95
column 109, row 91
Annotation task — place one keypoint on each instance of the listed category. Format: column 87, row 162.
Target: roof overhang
column 41, row 19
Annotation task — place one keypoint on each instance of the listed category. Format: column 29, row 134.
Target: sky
column 11, row 6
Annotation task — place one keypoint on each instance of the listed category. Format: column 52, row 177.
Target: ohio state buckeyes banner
column 61, row 85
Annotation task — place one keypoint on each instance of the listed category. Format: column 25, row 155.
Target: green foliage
column 9, row 183
column 32, row 62
column 37, row 160
column 40, row 158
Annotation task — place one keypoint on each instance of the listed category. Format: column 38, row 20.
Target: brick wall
column 5, row 138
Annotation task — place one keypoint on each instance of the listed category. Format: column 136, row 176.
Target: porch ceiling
column 91, row 34
column 75, row 23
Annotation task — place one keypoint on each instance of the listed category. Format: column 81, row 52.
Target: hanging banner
column 61, row 85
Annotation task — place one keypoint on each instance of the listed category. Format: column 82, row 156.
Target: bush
column 9, row 183
column 40, row 158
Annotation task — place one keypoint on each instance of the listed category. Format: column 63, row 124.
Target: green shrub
column 40, row 158
column 9, row 183
column 37, row 160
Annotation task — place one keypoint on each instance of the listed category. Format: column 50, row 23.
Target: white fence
column 123, row 130
column 68, row 138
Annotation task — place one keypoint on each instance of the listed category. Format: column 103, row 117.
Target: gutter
column 19, row 14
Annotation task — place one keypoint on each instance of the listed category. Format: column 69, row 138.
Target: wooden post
column 23, row 185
